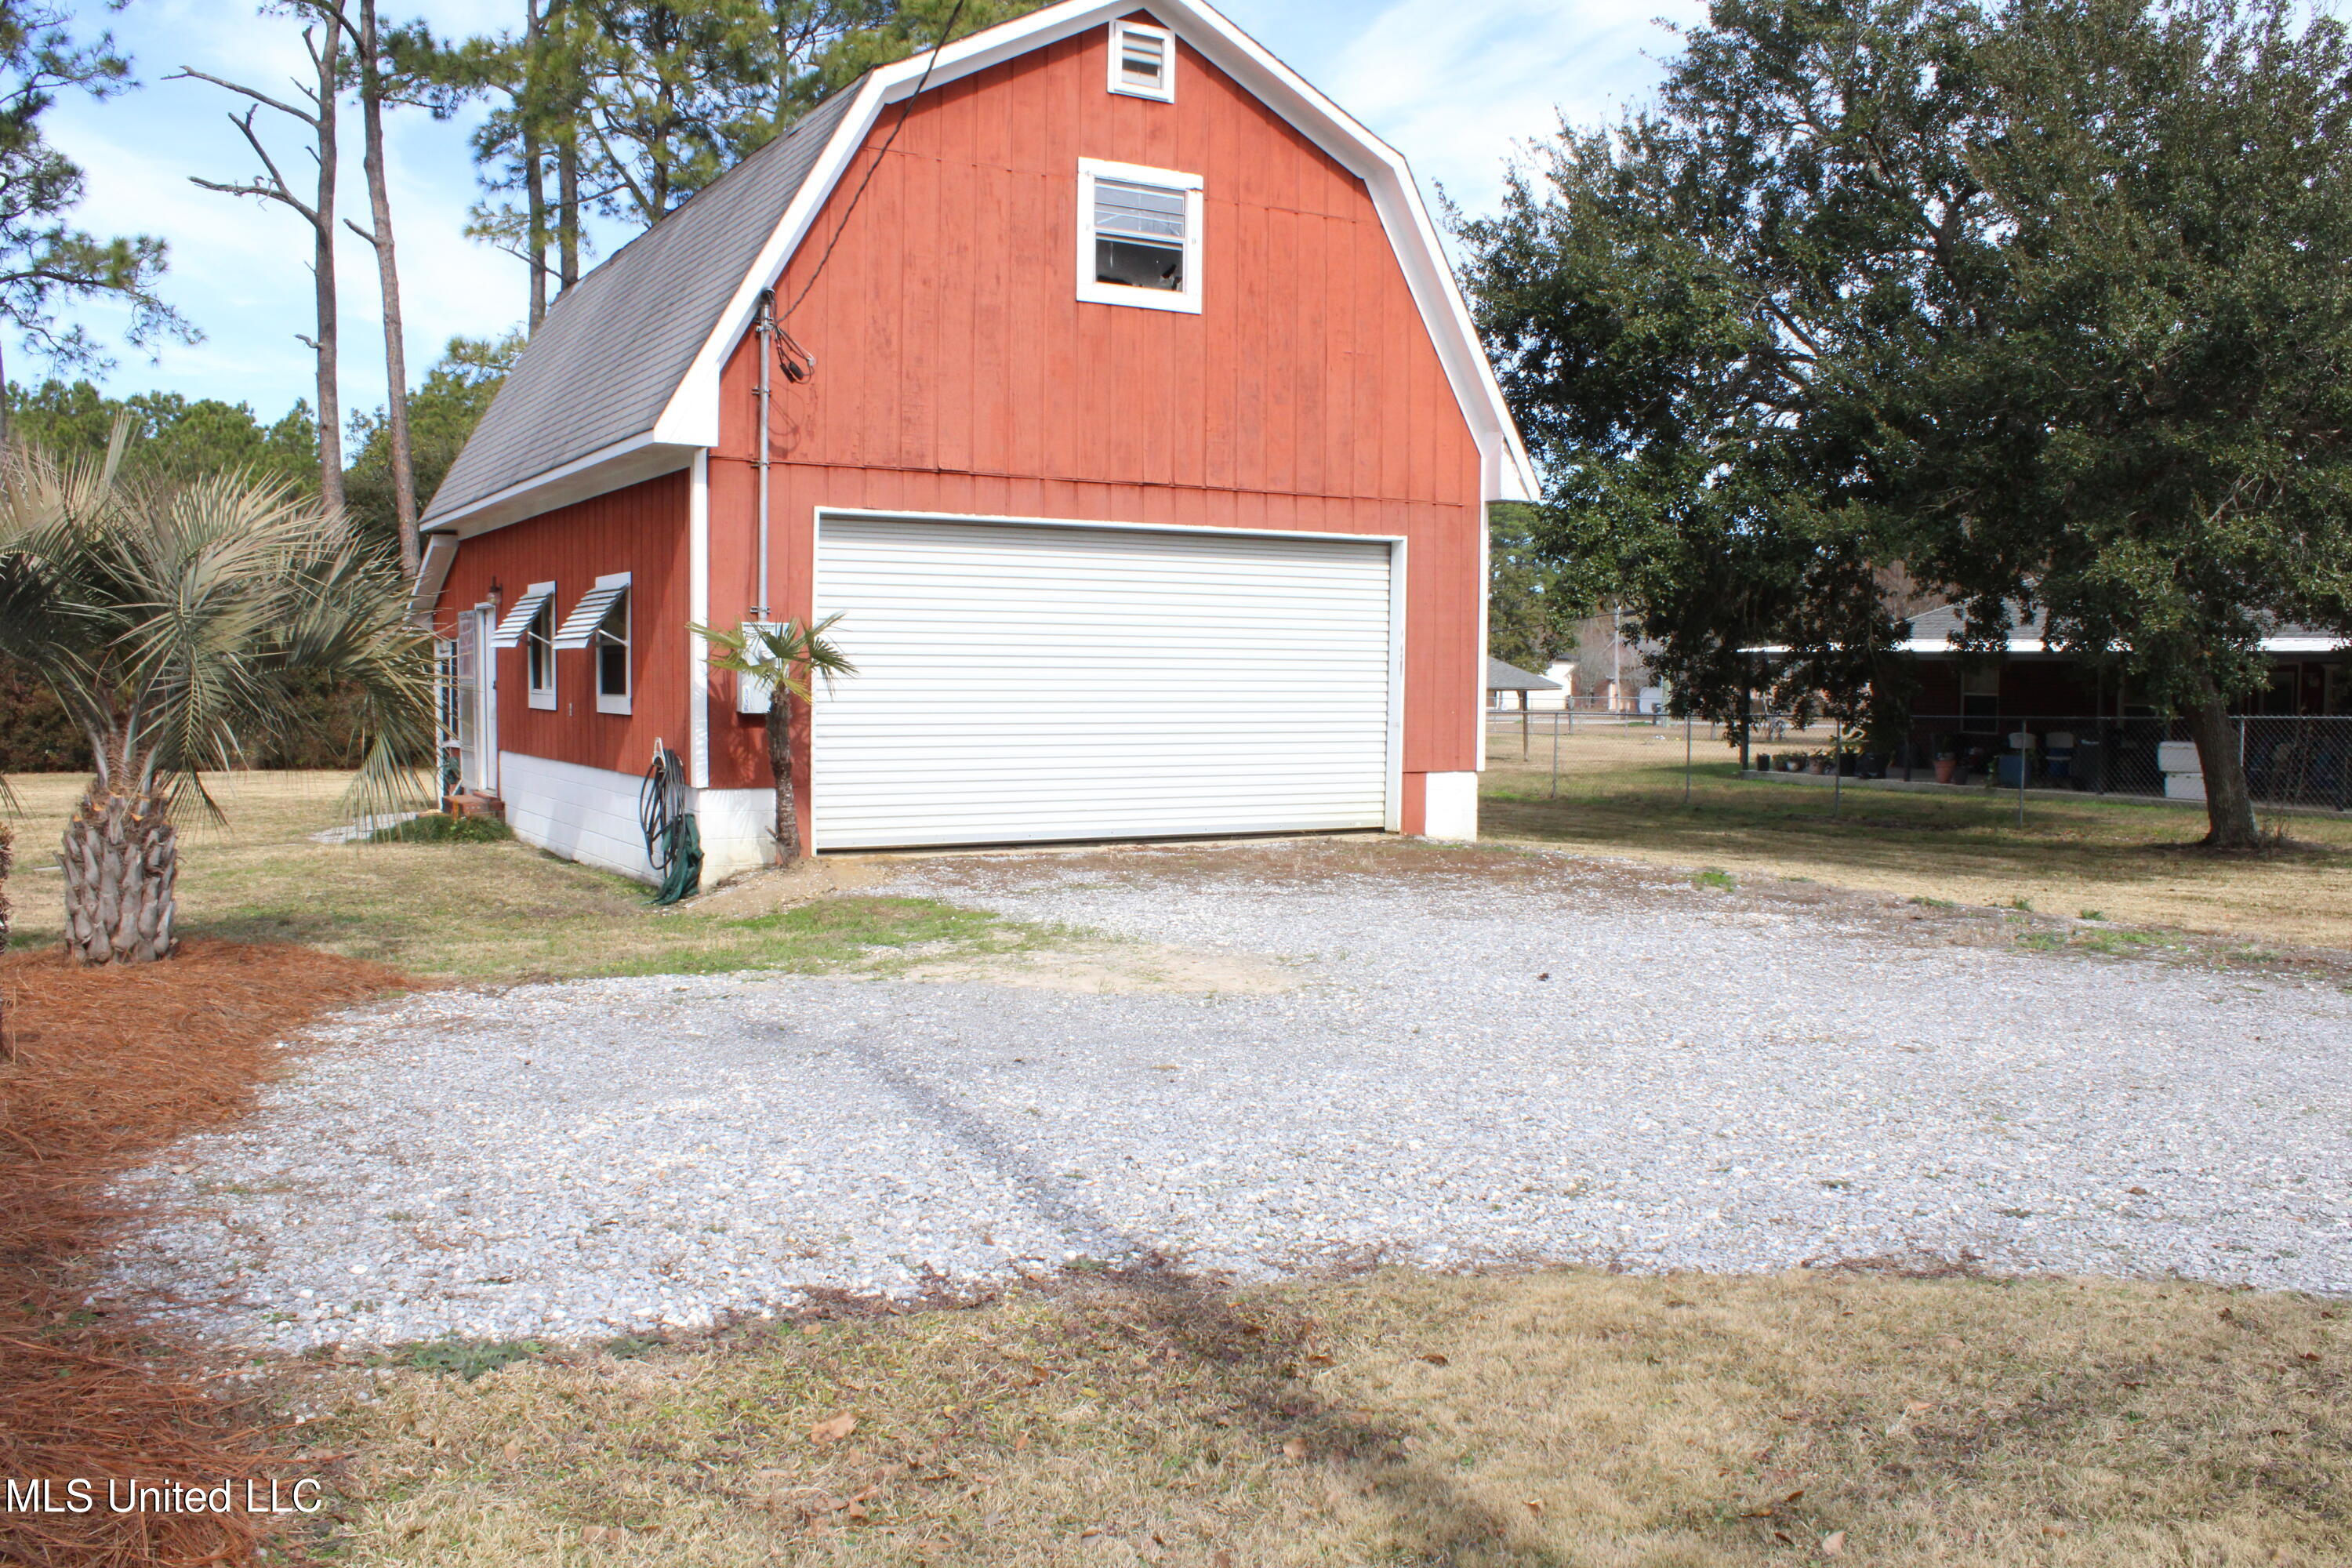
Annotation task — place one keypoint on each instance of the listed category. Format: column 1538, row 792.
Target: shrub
column 438, row 828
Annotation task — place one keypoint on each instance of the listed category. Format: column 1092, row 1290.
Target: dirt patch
column 111, row 1065
column 1105, row 968
column 764, row 891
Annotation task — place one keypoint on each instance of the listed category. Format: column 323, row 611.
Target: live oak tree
column 2044, row 302
column 178, row 624
column 45, row 264
column 1669, row 304
column 2148, row 431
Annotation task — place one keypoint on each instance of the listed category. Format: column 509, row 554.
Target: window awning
column 518, row 620
column 579, row 628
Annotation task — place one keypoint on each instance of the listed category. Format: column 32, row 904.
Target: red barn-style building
column 1117, row 396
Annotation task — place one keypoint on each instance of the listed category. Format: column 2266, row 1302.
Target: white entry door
column 1022, row 682
column 477, row 700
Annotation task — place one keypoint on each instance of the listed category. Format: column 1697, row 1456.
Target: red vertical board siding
column 957, row 373
column 642, row 531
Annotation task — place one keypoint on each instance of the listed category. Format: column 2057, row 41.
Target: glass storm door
column 477, row 698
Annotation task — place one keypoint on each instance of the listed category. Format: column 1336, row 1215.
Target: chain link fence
column 2297, row 760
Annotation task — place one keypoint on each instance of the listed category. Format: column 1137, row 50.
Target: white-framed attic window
column 1139, row 236
column 1143, row 61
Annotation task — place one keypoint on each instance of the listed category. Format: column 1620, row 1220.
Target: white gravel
column 1703, row 1082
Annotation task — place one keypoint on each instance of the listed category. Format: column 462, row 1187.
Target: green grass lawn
column 1621, row 791
column 499, row 911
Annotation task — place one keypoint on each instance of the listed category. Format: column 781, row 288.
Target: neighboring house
column 1505, row 682
column 1990, row 693
column 1117, row 391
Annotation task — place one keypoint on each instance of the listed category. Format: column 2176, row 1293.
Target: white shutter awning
column 579, row 628
column 518, row 620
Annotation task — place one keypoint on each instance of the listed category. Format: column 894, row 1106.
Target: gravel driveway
column 1705, row 1080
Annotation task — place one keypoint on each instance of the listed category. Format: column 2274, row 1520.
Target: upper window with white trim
column 1139, row 236
column 1143, row 61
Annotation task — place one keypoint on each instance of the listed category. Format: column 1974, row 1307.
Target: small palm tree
column 173, row 622
column 781, row 657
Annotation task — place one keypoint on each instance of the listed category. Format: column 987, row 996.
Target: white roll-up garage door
column 1022, row 682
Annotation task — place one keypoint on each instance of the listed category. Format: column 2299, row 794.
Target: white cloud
column 1457, row 88
column 240, row 266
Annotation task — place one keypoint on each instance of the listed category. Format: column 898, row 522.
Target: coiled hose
column 673, row 843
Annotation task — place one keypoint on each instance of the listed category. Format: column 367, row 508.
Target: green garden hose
column 672, row 842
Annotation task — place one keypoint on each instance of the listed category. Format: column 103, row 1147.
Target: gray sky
column 1454, row 84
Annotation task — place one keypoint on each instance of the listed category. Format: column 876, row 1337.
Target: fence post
column 1555, row 756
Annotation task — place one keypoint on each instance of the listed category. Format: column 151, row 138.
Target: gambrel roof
column 620, row 381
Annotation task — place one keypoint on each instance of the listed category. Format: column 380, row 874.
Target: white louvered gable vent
column 579, row 628
column 518, row 620
column 1143, row 61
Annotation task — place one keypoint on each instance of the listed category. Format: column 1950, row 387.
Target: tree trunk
column 564, row 116
column 534, row 160
column 322, row 273
column 8, row 842
column 780, row 761
column 2229, row 804
column 121, row 858
column 387, row 272
column 567, row 220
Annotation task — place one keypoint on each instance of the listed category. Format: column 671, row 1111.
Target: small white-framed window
column 1139, row 236
column 538, row 651
column 611, row 645
column 599, row 623
column 531, row 626
column 1143, row 61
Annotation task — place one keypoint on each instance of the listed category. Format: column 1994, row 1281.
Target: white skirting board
column 739, row 830
column 1450, row 806
column 590, row 815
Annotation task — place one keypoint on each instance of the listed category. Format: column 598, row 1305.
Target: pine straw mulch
column 109, row 1066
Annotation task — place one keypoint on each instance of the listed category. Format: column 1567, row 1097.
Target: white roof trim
column 431, row 572
column 690, row 419
column 628, row 461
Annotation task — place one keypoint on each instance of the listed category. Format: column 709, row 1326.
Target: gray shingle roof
column 1501, row 677
column 606, row 359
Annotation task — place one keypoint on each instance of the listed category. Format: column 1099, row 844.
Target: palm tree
column 781, row 657
column 174, row 623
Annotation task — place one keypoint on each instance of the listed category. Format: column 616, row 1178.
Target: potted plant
column 1948, row 759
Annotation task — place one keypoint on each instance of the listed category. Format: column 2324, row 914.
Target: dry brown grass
column 1620, row 793
column 1557, row 1418
column 110, row 1065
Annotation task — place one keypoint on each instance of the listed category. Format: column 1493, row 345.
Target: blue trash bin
column 2009, row 769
